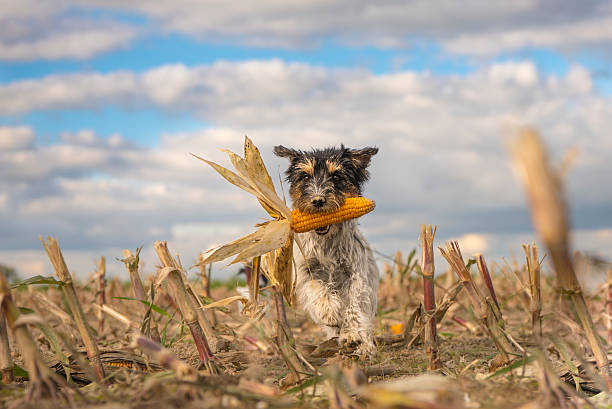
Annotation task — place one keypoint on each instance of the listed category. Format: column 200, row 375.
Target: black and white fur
column 337, row 276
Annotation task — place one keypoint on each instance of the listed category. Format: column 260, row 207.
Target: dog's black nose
column 319, row 202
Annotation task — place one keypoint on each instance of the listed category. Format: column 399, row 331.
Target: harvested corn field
column 248, row 366
column 479, row 334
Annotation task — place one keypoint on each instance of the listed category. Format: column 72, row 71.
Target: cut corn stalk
column 550, row 219
column 429, row 298
column 149, row 323
column 131, row 263
column 486, row 278
column 352, row 208
column 206, row 278
column 42, row 381
column 535, row 293
column 101, row 279
column 171, row 273
column 483, row 306
column 59, row 265
column 286, row 342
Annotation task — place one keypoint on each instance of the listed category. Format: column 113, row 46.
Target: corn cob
column 352, row 208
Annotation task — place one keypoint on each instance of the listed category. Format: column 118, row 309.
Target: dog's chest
column 335, row 258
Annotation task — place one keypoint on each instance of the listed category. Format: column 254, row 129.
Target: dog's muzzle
column 322, row 231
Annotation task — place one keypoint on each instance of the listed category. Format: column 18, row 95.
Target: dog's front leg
column 357, row 321
column 323, row 304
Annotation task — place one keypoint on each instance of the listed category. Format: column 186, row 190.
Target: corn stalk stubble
column 427, row 268
column 173, row 276
column 59, row 265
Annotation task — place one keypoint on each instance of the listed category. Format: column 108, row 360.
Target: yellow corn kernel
column 120, row 364
column 352, row 208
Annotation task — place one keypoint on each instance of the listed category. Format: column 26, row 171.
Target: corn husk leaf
column 280, row 269
column 256, row 165
column 226, row 301
column 228, row 175
column 263, row 192
column 269, row 237
column 273, row 235
column 273, row 238
column 258, row 171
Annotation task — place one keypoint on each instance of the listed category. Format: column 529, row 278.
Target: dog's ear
column 283, row 152
column 361, row 157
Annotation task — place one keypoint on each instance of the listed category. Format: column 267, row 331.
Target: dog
column 337, row 276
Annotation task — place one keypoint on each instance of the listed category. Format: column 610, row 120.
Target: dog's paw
column 349, row 339
column 355, row 344
column 366, row 350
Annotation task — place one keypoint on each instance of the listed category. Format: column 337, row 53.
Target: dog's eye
column 336, row 177
column 306, row 176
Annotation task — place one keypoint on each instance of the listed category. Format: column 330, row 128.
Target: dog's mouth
column 322, row 231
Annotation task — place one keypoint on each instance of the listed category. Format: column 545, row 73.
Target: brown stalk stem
column 482, row 307
column 206, row 276
column 486, row 278
column 131, row 263
column 40, row 376
column 213, row 340
column 535, row 293
column 59, row 265
column 281, row 314
column 549, row 215
column 429, row 301
column 101, row 275
column 254, row 283
column 6, row 361
column 179, row 291
column 285, row 339
column 182, row 298
column 453, row 256
column 466, row 324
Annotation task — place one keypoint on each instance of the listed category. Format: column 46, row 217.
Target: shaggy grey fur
column 337, row 282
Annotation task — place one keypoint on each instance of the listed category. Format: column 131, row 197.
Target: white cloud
column 52, row 30
column 16, row 138
column 566, row 35
column 64, row 29
column 474, row 27
column 80, row 42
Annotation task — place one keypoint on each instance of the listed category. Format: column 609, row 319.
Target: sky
column 101, row 102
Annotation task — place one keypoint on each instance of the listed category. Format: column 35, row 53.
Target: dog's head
column 321, row 179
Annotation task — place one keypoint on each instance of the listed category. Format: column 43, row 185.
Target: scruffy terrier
column 337, row 277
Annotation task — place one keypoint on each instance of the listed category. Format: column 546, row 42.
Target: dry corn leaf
column 228, row 175
column 281, row 270
column 258, row 171
column 263, row 192
column 273, row 235
column 226, row 301
column 269, row 237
